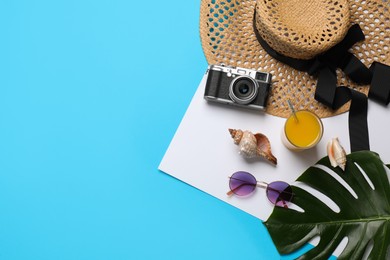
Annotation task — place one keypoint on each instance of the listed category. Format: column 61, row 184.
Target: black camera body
column 237, row 86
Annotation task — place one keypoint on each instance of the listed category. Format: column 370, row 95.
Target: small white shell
column 336, row 153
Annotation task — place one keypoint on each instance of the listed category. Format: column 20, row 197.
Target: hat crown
column 302, row 29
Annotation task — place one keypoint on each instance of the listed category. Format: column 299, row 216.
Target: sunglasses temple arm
column 231, row 192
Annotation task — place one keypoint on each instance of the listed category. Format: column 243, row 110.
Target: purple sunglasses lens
column 242, row 183
column 279, row 193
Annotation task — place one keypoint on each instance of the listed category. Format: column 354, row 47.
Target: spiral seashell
column 253, row 145
column 336, row 154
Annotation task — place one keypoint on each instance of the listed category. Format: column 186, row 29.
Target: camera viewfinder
column 261, row 76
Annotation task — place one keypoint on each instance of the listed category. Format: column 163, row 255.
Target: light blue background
column 91, row 93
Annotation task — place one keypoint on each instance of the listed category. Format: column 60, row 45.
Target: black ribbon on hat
column 327, row 92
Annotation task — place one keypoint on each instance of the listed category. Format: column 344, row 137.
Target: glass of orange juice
column 302, row 131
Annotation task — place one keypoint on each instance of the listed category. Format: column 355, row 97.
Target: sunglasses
column 243, row 183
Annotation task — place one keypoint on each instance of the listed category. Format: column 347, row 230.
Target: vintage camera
column 237, row 86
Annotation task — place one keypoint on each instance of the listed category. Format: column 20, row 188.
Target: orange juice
column 303, row 133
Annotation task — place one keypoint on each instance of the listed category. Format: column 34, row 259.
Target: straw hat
column 297, row 29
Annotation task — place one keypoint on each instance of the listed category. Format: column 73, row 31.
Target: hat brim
column 227, row 36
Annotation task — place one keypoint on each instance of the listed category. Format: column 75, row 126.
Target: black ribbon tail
column 358, row 126
column 380, row 84
column 327, row 91
column 326, row 86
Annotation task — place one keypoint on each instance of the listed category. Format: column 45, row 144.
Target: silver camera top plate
column 237, row 71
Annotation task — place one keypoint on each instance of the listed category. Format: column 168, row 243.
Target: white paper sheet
column 203, row 154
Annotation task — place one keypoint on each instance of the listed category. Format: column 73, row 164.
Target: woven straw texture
column 282, row 25
column 226, row 30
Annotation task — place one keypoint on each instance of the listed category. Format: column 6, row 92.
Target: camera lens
column 243, row 90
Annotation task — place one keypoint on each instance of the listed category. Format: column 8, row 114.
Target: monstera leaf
column 363, row 216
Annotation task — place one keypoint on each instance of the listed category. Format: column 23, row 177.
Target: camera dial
column 243, row 90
